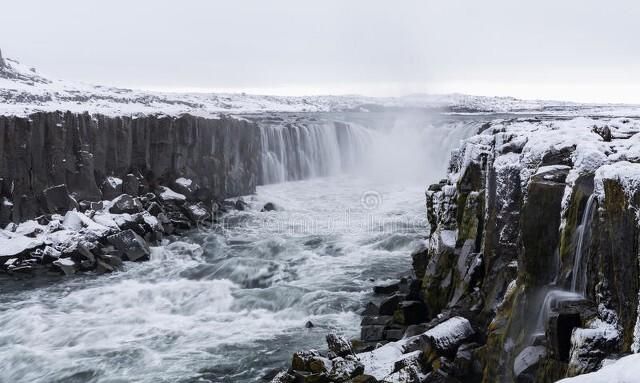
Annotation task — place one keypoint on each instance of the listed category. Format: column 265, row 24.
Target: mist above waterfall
column 390, row 147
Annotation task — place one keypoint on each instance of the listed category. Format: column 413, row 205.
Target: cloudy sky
column 584, row 50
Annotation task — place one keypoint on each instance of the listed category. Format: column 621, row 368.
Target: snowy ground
column 23, row 90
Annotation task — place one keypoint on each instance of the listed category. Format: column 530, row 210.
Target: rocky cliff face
column 99, row 157
column 535, row 240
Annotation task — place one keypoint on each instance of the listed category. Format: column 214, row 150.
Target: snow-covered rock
column 625, row 370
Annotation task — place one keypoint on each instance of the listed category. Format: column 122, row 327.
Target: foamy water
column 223, row 305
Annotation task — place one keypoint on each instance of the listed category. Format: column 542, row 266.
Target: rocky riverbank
column 82, row 192
column 530, row 272
column 98, row 236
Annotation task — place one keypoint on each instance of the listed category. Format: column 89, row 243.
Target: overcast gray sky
column 585, row 50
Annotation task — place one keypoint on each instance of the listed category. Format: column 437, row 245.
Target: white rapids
column 222, row 305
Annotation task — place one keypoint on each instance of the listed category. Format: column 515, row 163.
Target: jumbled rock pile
column 98, row 236
column 442, row 353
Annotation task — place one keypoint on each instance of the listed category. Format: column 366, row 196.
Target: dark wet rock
column 339, row 345
column 371, row 309
column 364, row 378
column 604, row 132
column 269, row 206
column 557, row 156
column 111, row 188
column 394, row 333
column 241, row 205
column 435, row 187
column 309, row 324
column 57, row 199
column 389, row 305
column 386, row 289
column 381, row 320
column 420, row 258
column 302, row 359
column 155, row 209
column 131, row 185
column 372, row 333
column 132, row 246
column 527, row 363
column 410, row 312
column 125, row 204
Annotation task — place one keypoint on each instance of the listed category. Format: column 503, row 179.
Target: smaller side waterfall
column 551, row 300
column 579, row 273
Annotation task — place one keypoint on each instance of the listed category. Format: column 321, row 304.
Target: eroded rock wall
column 515, row 201
column 221, row 156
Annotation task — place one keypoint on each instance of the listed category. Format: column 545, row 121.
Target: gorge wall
column 534, row 238
column 220, row 156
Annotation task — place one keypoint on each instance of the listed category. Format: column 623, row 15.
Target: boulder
column 345, row 368
column 301, row 360
column 269, row 206
column 410, row 312
column 125, row 204
column 526, row 363
column 111, row 187
column 241, row 205
column 186, row 187
column 389, row 305
column 589, row 348
column 420, row 258
column 167, row 195
column 57, row 200
column 131, row 245
column 371, row 309
column 131, row 185
column 66, row 265
column 197, row 212
column 445, row 338
column 386, row 289
column 339, row 345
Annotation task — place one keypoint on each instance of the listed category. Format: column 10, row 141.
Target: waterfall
column 410, row 147
column 298, row 151
column 579, row 273
column 551, row 300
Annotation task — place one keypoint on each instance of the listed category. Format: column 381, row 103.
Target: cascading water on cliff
column 579, row 273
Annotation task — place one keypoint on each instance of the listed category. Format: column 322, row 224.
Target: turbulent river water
column 230, row 303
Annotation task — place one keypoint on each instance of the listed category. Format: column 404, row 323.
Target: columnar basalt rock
column 84, row 151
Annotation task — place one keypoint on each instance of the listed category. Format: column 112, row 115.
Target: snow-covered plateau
column 23, row 90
